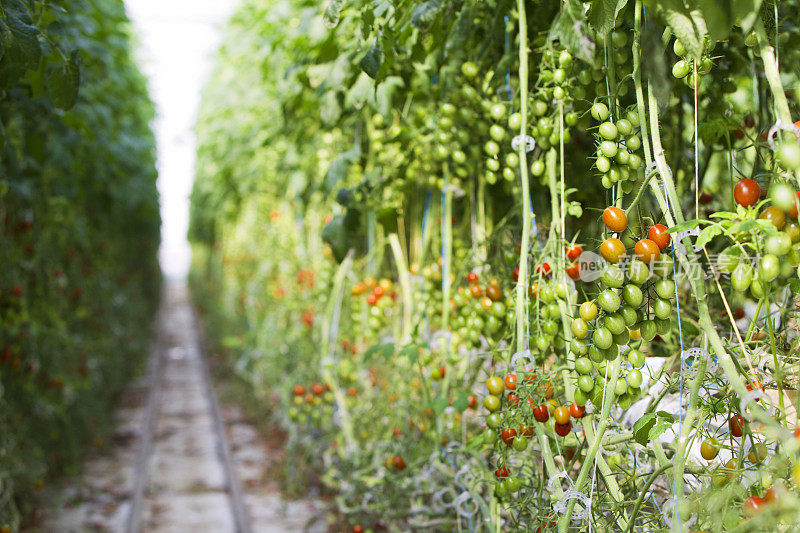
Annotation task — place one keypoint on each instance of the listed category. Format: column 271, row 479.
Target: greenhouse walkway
column 177, row 461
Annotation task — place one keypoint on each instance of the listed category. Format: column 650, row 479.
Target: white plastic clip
column 781, row 125
column 751, row 396
column 555, row 477
column 530, row 142
column 678, row 240
column 561, row 505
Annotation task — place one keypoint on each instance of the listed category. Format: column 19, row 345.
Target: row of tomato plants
column 555, row 286
column 79, row 232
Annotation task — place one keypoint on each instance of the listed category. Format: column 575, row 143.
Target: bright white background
column 177, row 41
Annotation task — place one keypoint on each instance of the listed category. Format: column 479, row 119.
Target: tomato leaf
column 439, row 404
column 642, row 427
column 745, row 13
column 571, row 30
column 461, row 402
column 63, row 83
column 385, row 350
column 686, row 224
column 688, row 26
column 339, row 168
column 718, row 17
column 707, row 234
column 603, row 13
column 412, row 352
column 371, row 62
column 425, row 14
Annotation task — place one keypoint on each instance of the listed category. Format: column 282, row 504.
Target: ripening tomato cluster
column 312, row 405
column 377, row 306
column 478, row 311
column 515, row 406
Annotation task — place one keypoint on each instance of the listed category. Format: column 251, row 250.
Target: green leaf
column 339, row 168
column 656, row 69
column 571, row 30
column 411, row 352
column 425, row 14
column 461, row 402
column 718, row 18
column 371, row 62
column 686, row 224
column 745, row 13
column 688, row 26
column 766, row 226
column 642, row 427
column 63, row 83
column 727, row 215
column 707, row 234
column 666, row 416
column 440, row 404
column 385, row 350
column 603, row 13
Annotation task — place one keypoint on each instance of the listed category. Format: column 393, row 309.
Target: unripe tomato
column 580, row 329
column 491, row 403
column 599, row 111
column 774, row 215
column 783, row 197
column 662, row 308
column 495, row 385
column 519, row 443
column 788, row 155
column 615, row 219
column 659, row 235
column 742, row 277
column 634, row 378
column 633, row 296
column 609, row 301
column 613, row 277
column 561, row 415
column 709, row 449
column 769, row 267
column 583, row 366
column 612, row 250
column 588, row 311
column 493, row 420
column 647, row 251
column 746, row 192
column 602, row 338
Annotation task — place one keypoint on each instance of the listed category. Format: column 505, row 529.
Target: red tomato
column 372, row 299
column 658, row 234
column 541, row 414
column 574, row 251
column 574, row 271
column 746, row 192
column 317, row 389
column 526, row 431
column 544, row 270
column 507, row 435
column 546, row 390
column 473, row 401
column 501, row 472
column 735, row 424
column 577, row 411
column 771, row 495
column 299, row 390
column 563, row 430
column 513, row 398
column 472, row 277
column 753, row 505
column 358, row 529
column 515, row 274
column 511, row 382
column 398, row 463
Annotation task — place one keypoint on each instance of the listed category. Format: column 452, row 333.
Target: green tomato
column 608, row 131
column 595, row 355
column 491, row 148
column 621, row 387
column 635, row 379
column 578, row 347
column 663, row 325
column 769, row 268
column 613, row 276
column 638, row 272
column 497, row 132
column 583, row 366
column 629, row 315
column 520, row 443
column 537, row 167
column 512, row 160
column 580, row 328
column 491, row 403
column 494, row 420
column 585, row 383
column 662, row 308
column 758, row 289
column 515, row 121
column 728, row 259
column 665, row 288
column 632, row 295
column 681, row 69
column 608, row 149
column 497, row 111
column 609, row 301
column 788, row 155
column 636, row 358
column 613, row 351
column 779, row 244
column 648, row 330
column 602, row 338
column 539, row 108
column 580, row 397
column 599, row 110
column 614, row 323
column 603, row 164
column 742, row 277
